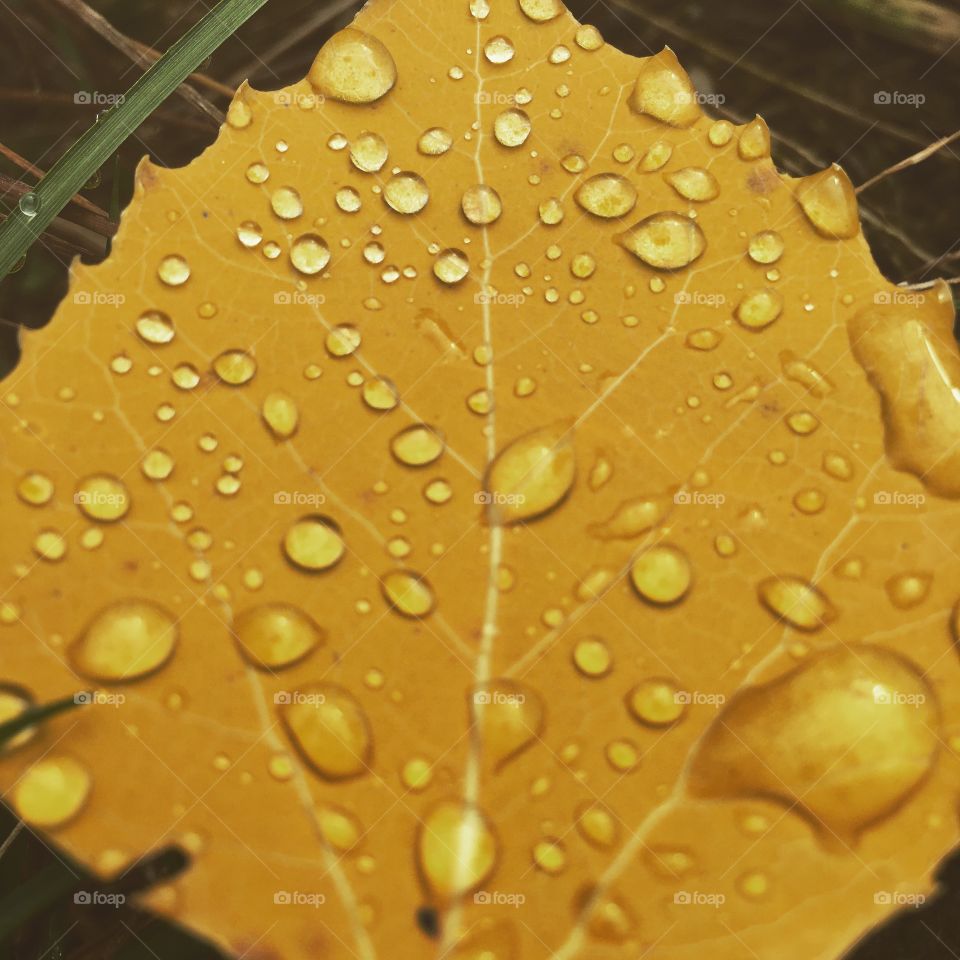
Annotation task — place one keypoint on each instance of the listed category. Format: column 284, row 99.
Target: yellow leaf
column 493, row 504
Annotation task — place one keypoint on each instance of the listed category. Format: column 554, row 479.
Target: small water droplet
column 314, row 543
column 662, row 575
column 369, row 152
column 52, row 792
column 406, row 193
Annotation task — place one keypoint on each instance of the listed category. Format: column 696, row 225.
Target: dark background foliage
column 817, row 70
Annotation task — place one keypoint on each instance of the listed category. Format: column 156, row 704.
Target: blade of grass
column 35, row 715
column 94, row 148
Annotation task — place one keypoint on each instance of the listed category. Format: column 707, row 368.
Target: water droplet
column 250, row 234
column 155, row 328
column 908, row 590
column 540, row 11
column 766, row 247
column 309, row 254
column 759, row 308
column 29, row 205
column 829, row 202
column 35, row 489
column 380, row 394
column 665, row 241
column 481, row 204
column 330, row 729
column 622, row 755
column 532, row 475
column 340, row 828
column 343, row 341
column 125, row 641
column 510, row 716
column 632, row 518
column 51, row 792
column 597, row 825
column 408, row 593
column 276, row 635
column 281, row 415
column 258, row 173
column 480, row 9
column 512, row 127
column 721, row 133
column 592, row 657
column 550, row 856
column 656, row 702
column 664, row 91
column 406, row 193
column 435, row 142
column 803, row 372
column 174, row 271
column 417, row 774
column 589, row 38
column 796, row 602
column 286, row 203
column 235, row 367
column 15, row 701
column 607, row 195
column 102, row 497
column 662, row 575
column 609, row 918
column 843, row 738
column 754, row 142
column 369, row 152
column 353, row 67
column 50, row 545
column 314, row 543
column 694, row 183
column 499, row 50
column 456, row 849
column 910, row 357
column 656, row 156
column 451, row 266
column 417, row 446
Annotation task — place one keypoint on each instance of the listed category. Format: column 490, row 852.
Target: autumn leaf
column 494, row 507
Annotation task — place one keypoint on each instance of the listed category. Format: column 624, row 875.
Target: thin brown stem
column 910, row 161
column 35, row 171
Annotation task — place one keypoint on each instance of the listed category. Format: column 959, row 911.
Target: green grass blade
column 35, row 715
column 94, row 148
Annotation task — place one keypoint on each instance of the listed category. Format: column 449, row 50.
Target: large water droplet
column 797, row 602
column 665, row 241
column 481, row 204
column 510, row 716
column 235, row 367
column 125, row 641
column 657, row 702
column 309, row 254
column 607, row 195
column 664, row 91
column 911, row 358
column 330, row 729
column 369, row 152
column 155, row 328
column 829, row 202
column 417, row 446
column 52, row 792
column 531, row 475
column 276, row 635
column 314, row 544
column 353, row 67
column 540, row 11
column 662, row 575
column 844, row 738
column 456, row 849
column 406, row 193
column 512, row 127
column 102, row 497
column 408, row 593
column 694, row 183
column 281, row 414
